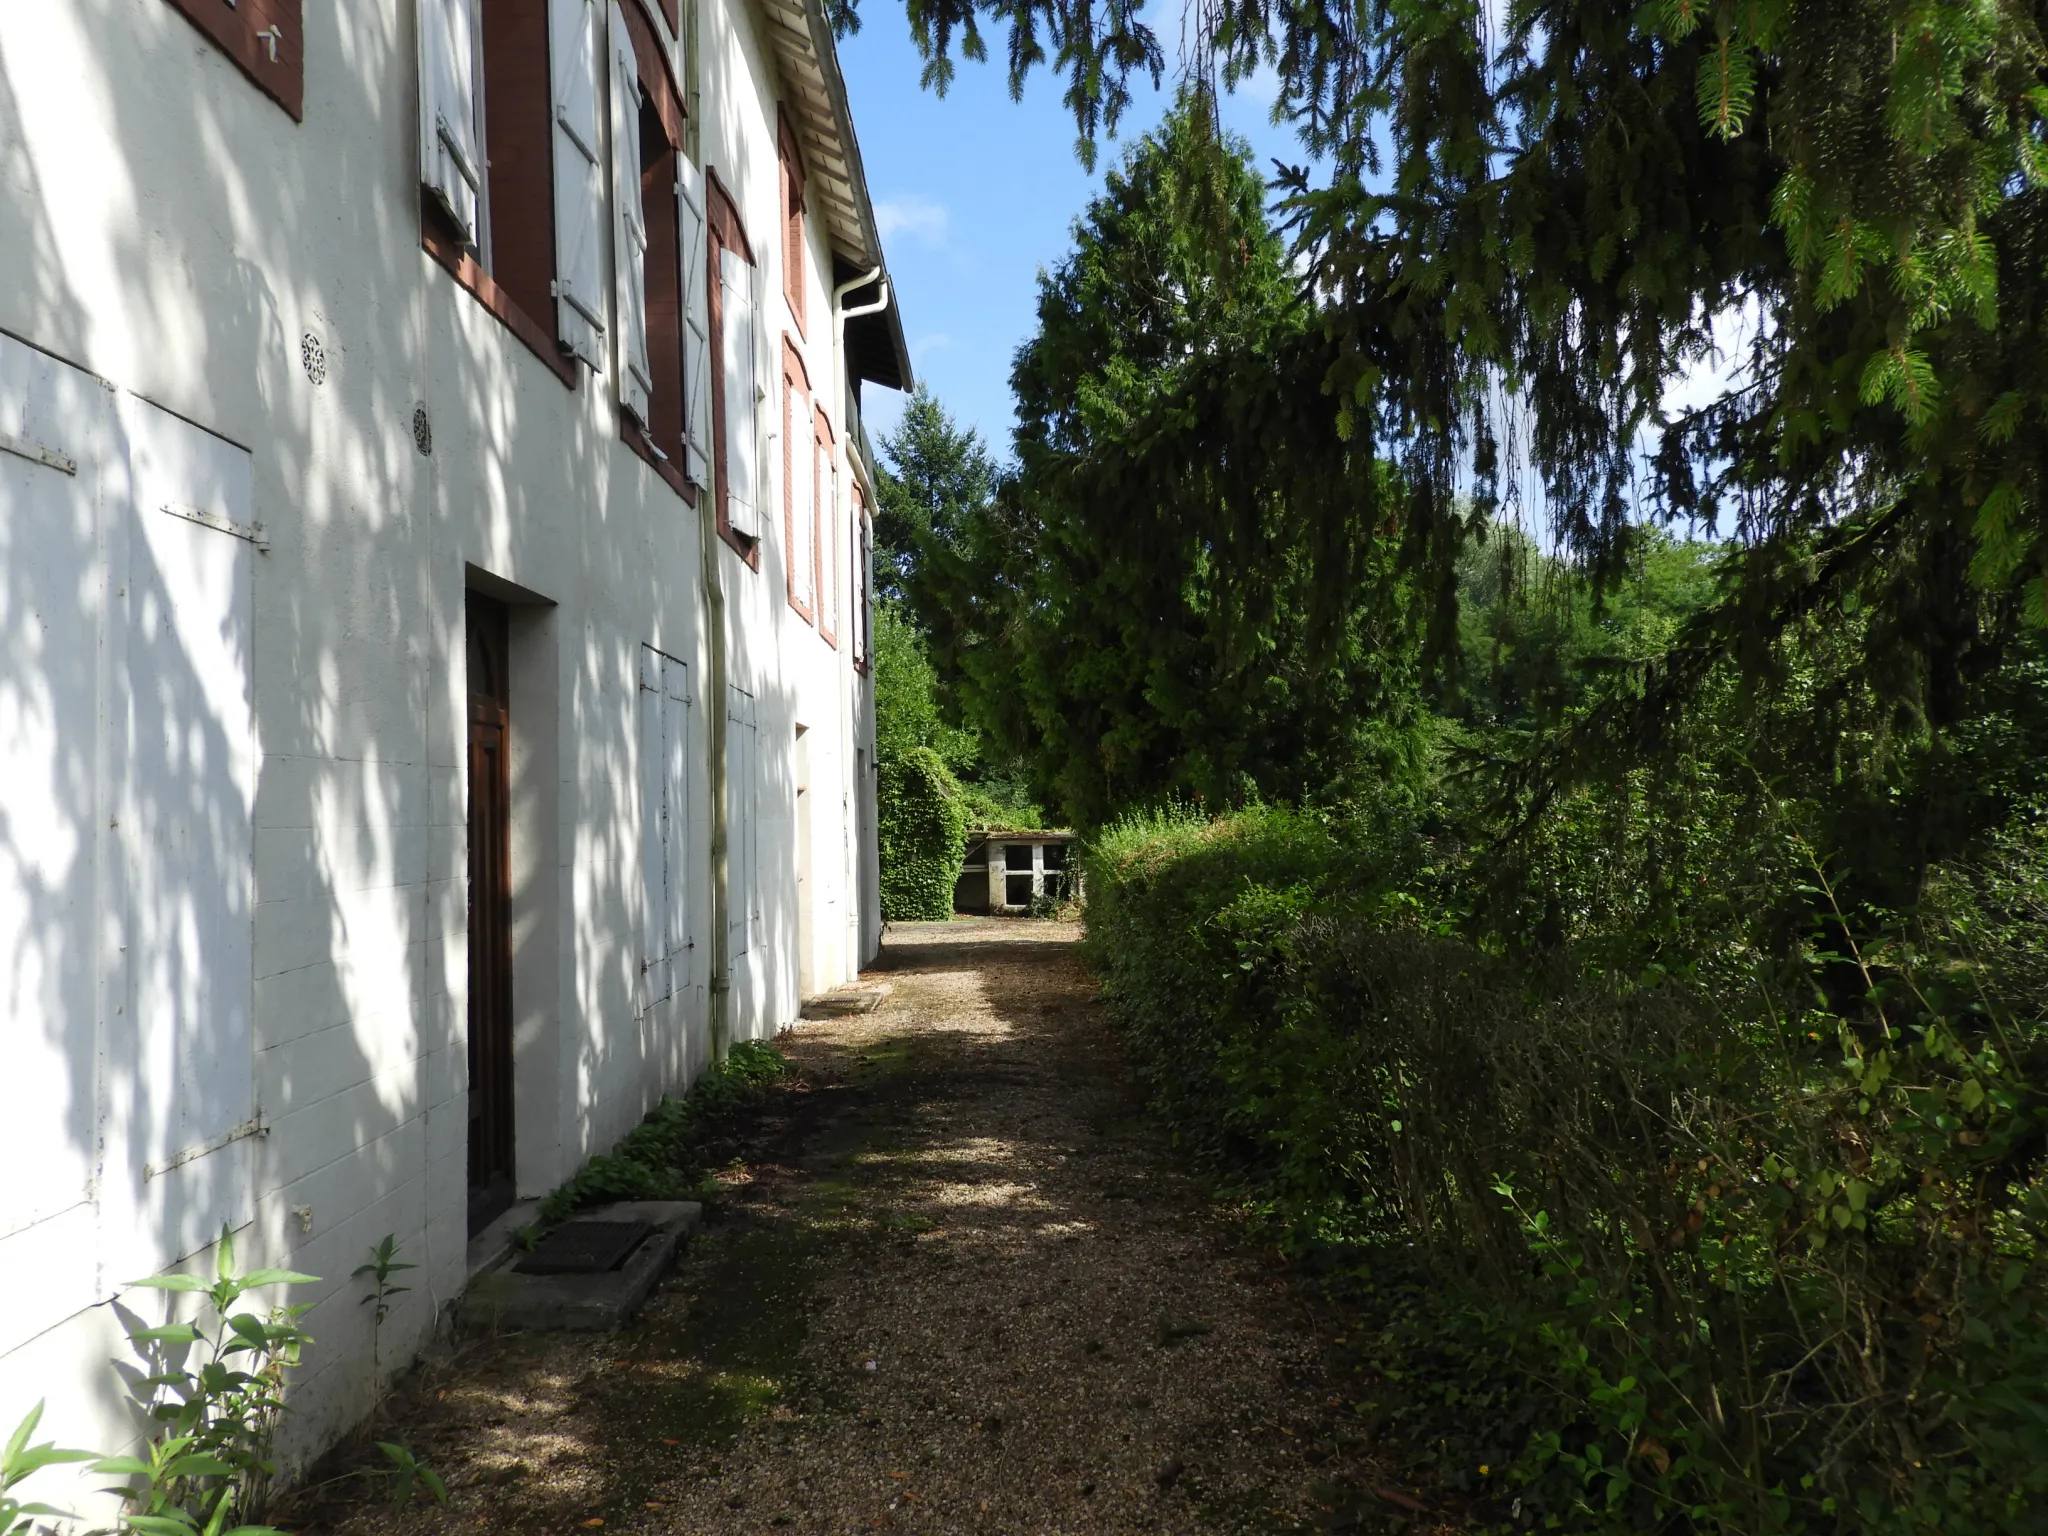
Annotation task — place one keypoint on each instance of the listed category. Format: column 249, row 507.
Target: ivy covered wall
column 923, row 831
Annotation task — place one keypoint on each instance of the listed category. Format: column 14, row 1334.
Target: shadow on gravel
column 954, row 1283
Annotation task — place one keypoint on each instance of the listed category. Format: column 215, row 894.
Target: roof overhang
column 836, row 183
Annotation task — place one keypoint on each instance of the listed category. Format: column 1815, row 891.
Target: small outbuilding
column 1006, row 871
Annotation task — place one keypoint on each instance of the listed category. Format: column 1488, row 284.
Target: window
column 828, row 530
column 665, row 801
column 653, row 211
column 792, row 178
column 266, row 38
column 799, row 485
column 736, row 392
column 512, row 199
column 742, row 847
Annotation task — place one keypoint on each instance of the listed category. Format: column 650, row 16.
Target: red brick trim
column 250, row 33
column 657, row 73
column 439, row 241
column 791, row 165
column 637, row 440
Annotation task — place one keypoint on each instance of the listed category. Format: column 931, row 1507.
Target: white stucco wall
column 167, row 229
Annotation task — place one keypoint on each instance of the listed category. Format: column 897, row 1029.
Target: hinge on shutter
column 205, row 517
column 36, row 453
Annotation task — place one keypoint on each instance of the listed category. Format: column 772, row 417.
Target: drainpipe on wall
column 856, row 436
column 719, row 938
column 839, row 299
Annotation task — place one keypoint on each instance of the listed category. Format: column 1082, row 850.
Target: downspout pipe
column 839, row 299
column 718, row 940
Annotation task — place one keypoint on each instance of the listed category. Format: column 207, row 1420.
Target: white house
column 433, row 623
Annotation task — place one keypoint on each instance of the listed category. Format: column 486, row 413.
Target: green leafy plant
column 658, row 1159
column 216, row 1386
column 383, row 1263
column 20, row 1461
column 1758, row 1246
column 409, row 1474
column 922, row 816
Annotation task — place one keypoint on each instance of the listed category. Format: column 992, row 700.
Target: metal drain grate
column 585, row 1248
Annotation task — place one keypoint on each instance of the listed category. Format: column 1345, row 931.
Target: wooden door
column 490, row 916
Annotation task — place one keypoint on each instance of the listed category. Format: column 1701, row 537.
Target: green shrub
column 922, row 827
column 1762, row 1256
column 657, row 1159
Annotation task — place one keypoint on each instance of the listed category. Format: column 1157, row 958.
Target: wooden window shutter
column 573, row 64
column 737, row 332
column 690, row 229
column 451, row 162
column 629, row 236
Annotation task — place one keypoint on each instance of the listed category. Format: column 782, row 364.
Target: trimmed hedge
column 922, row 830
column 1634, row 1258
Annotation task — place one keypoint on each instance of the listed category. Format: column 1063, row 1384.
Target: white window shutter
column 654, row 830
column 629, row 234
column 739, row 819
column 676, row 806
column 802, row 498
column 828, row 536
column 451, row 159
column 574, row 57
column 696, row 322
column 742, row 392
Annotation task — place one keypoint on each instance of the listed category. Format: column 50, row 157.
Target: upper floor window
column 736, row 389
column 800, row 484
column 266, row 38
column 792, row 168
column 513, row 198
column 829, row 543
column 658, row 244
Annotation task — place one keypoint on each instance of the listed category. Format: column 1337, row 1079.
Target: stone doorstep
column 503, row 1299
column 844, row 1002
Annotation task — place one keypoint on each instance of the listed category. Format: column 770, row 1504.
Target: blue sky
column 975, row 193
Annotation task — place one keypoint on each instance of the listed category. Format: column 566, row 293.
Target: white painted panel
column 737, row 340
column 696, row 321
column 574, row 66
column 657, row 977
column 802, row 506
column 451, row 159
column 180, row 1094
column 629, row 228
column 828, row 536
column 741, row 799
column 52, row 597
column 675, row 817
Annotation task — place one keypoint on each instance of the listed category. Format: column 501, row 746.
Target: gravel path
column 958, row 1284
